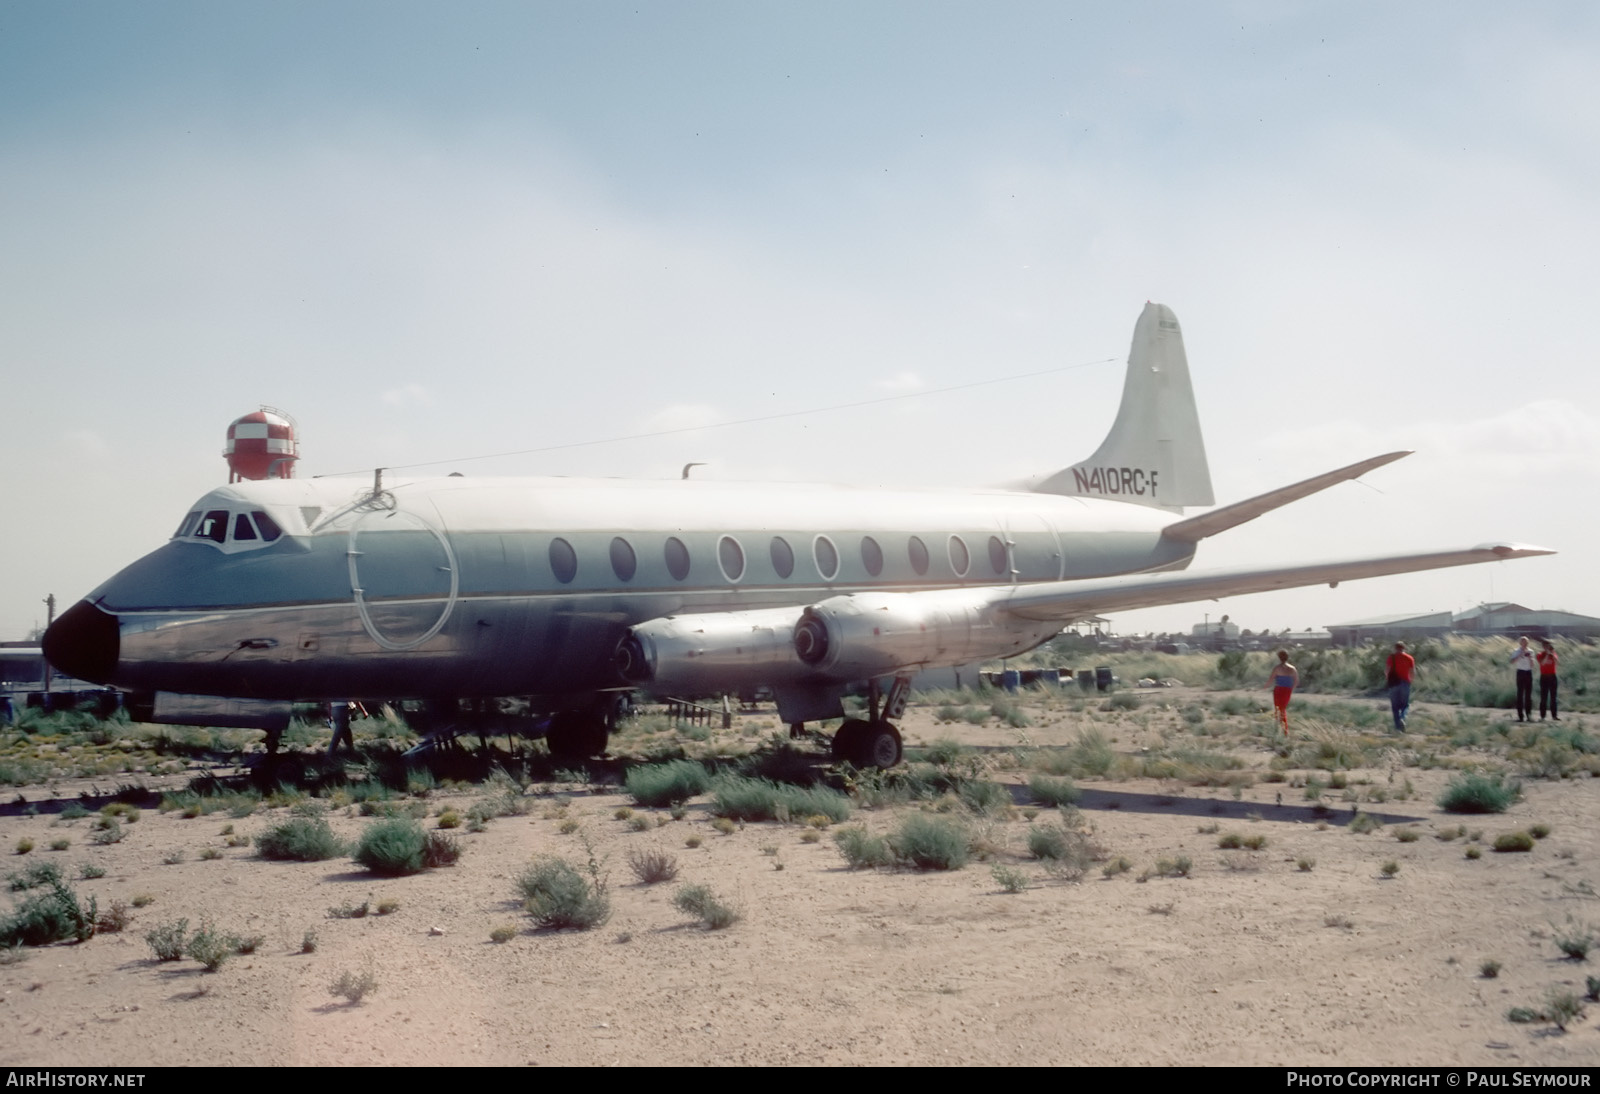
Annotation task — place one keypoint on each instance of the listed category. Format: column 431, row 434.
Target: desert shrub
column 24, row 845
column 449, row 819
column 1230, row 841
column 1575, row 939
column 1474, row 853
column 1305, row 865
column 249, row 943
column 1362, row 823
column 439, row 849
column 1178, row 866
column 60, row 843
column 691, row 842
column 505, row 932
column 861, row 850
column 301, row 839
column 1513, row 841
column 393, row 847
column 354, row 986
column 35, row 875
column 1489, row 969
column 1009, row 878
column 652, row 865
column 1066, row 853
column 1092, row 754
column 930, row 843
column 725, row 826
column 559, row 898
column 168, row 940
column 1047, row 841
column 1591, row 988
column 658, row 785
column 308, row 942
column 700, row 902
column 172, row 858
column 350, row 911
column 1539, row 831
column 982, row 796
column 1118, row 865
column 52, row 916
column 114, row 919
column 739, row 798
column 211, row 947
column 1475, row 793
column 1407, row 835
column 1562, row 1007
column 1390, row 868
column 106, row 832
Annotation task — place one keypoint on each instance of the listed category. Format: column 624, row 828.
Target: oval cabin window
column 624, row 563
column 677, row 556
column 563, row 561
column 731, row 557
column 782, row 557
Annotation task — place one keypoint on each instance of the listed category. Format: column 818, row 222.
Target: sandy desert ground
column 1249, row 960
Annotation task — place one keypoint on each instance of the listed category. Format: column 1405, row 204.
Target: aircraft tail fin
column 1154, row 454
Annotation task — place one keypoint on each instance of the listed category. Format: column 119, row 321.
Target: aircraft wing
column 1069, row 600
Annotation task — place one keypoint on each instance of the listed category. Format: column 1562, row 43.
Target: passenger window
column 960, row 557
column 919, row 555
column 731, row 556
column 826, row 556
column 242, row 528
column 677, row 558
column 997, row 555
column 269, row 527
column 624, row 563
column 871, row 555
column 213, row 526
column 563, row 561
column 782, row 556
column 187, row 525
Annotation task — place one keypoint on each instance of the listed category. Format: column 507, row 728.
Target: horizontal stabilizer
column 1069, row 600
column 1230, row 516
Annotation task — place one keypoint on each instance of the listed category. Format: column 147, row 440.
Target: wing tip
column 1514, row 550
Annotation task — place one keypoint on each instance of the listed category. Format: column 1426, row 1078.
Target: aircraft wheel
column 845, row 738
column 577, row 735
column 878, row 745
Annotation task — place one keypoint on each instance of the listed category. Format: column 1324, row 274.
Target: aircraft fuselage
column 459, row 588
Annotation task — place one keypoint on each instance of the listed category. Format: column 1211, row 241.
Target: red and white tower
column 262, row 445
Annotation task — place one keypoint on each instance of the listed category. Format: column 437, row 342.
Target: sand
column 1249, row 960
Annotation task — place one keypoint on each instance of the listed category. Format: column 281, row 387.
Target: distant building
column 1501, row 618
column 1513, row 619
column 1405, row 625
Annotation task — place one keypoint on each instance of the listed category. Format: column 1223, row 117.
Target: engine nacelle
column 718, row 651
column 864, row 635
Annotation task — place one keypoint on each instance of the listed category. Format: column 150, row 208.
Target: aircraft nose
column 85, row 642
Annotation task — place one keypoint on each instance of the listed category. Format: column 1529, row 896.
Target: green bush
column 1513, row 841
column 930, row 843
column 1474, row 793
column 558, row 897
column 211, row 947
column 700, row 902
column 301, row 839
column 53, row 916
column 168, row 941
column 658, row 785
column 1053, row 792
column 439, row 849
column 392, row 847
column 743, row 799
column 862, row 851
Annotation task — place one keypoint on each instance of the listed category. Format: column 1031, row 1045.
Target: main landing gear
column 874, row 741
column 580, row 734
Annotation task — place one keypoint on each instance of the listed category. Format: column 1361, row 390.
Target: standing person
column 1402, row 667
column 1522, row 661
column 1547, row 679
column 1284, row 678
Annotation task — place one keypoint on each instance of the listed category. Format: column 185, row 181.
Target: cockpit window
column 242, row 528
column 213, row 526
column 187, row 525
column 269, row 527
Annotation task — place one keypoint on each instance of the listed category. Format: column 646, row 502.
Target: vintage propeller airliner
column 563, row 594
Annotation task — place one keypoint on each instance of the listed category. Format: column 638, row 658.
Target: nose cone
column 84, row 643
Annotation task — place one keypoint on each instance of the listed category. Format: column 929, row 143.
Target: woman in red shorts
column 1284, row 678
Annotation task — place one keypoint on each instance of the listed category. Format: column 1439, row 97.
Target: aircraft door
column 403, row 577
column 1035, row 547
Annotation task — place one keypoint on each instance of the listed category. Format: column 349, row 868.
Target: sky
column 433, row 231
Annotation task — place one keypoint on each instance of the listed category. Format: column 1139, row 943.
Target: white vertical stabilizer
column 1154, row 454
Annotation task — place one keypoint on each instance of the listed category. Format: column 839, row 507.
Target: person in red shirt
column 1402, row 667
column 1547, row 679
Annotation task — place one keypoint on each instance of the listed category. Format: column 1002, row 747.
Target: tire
column 845, row 738
column 577, row 735
column 878, row 745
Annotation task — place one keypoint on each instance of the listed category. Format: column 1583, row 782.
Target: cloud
column 408, row 395
column 900, row 381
